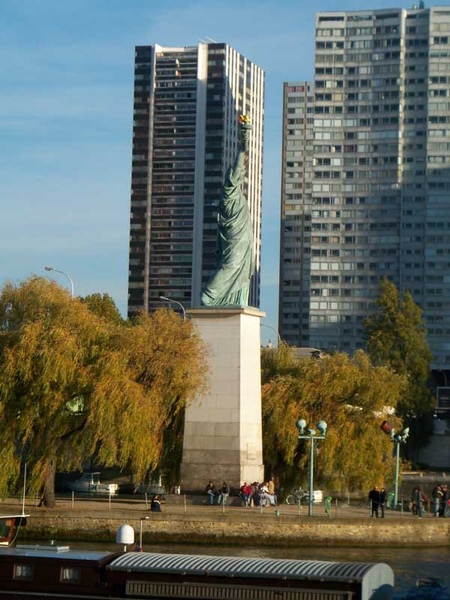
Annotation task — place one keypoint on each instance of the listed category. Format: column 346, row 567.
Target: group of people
column 219, row 496
column 377, row 499
column 439, row 502
column 417, row 500
column 258, row 494
column 252, row 494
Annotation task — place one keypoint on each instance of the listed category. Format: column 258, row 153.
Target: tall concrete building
column 186, row 106
column 366, row 177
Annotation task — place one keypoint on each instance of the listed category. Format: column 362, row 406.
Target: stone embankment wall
column 184, row 521
column 228, row 530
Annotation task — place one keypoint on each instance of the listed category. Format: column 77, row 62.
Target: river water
column 408, row 564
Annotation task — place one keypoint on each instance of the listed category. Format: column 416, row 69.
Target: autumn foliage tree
column 396, row 336
column 103, row 306
column 77, row 383
column 351, row 395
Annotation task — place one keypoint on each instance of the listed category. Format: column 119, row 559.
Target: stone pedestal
column 223, row 430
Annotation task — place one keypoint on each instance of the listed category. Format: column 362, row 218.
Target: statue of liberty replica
column 230, row 285
column 223, row 429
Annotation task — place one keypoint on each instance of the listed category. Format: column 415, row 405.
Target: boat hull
column 52, row 572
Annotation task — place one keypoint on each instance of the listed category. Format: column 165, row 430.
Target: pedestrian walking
column 417, row 501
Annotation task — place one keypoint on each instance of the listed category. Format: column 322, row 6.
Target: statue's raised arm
column 230, row 284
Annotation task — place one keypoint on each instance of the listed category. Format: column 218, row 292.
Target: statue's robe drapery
column 230, row 285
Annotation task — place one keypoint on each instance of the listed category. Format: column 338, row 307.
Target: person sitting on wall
column 155, row 505
column 266, row 494
column 256, row 496
column 244, row 493
column 224, row 492
column 211, row 492
column 249, row 492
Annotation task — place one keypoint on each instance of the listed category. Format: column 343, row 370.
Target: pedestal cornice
column 224, row 311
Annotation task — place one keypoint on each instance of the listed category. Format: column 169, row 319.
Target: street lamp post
column 63, row 273
column 183, row 310
column 397, row 439
column 274, row 330
column 140, row 531
column 312, row 436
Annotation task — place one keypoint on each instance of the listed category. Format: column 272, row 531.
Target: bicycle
column 298, row 497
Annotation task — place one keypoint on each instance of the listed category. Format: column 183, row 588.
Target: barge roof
column 246, row 567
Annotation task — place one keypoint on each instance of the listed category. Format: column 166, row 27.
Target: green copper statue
column 230, row 284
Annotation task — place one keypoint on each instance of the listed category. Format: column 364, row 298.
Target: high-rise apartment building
column 295, row 251
column 185, row 133
column 366, row 177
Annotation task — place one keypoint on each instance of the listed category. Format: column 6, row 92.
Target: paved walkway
column 182, row 508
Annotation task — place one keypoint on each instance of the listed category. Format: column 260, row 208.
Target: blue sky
column 66, row 122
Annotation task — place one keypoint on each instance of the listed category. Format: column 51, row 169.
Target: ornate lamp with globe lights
column 397, row 439
column 312, row 435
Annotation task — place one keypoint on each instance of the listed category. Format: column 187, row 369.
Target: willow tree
column 75, row 384
column 352, row 396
